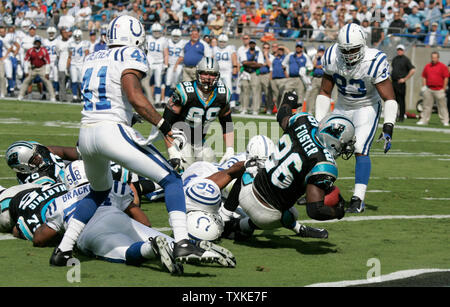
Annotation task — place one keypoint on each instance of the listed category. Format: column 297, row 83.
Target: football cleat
column 161, row 248
column 311, row 232
column 233, row 231
column 60, row 258
column 185, row 251
column 227, row 258
column 356, row 205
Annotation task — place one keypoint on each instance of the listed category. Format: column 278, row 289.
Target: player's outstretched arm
column 223, row 178
column 323, row 100
column 137, row 214
column 290, row 101
column 65, row 152
column 386, row 92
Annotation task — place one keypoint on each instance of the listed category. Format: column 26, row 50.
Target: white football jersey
column 199, row 169
column 155, row 49
column 233, row 160
column 356, row 87
column 102, row 92
column 175, row 50
column 78, row 51
column 50, row 45
column 62, row 50
column 27, row 42
column 223, row 56
column 61, row 210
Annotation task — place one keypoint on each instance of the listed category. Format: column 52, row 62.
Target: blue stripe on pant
column 369, row 140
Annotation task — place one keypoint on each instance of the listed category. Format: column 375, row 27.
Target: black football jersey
column 298, row 160
column 28, row 207
column 197, row 113
column 52, row 172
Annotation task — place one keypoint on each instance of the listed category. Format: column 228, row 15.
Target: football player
column 173, row 73
column 303, row 162
column 193, row 106
column 361, row 75
column 62, row 52
column 158, row 57
column 111, row 89
column 50, row 44
column 34, row 163
column 78, row 50
column 227, row 57
column 13, row 69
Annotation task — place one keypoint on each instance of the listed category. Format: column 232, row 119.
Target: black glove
column 176, row 164
column 340, row 208
column 386, row 136
column 291, row 98
column 136, row 119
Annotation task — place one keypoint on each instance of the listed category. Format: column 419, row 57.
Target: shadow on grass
column 307, row 246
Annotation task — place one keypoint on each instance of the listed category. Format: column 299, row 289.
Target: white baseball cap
column 401, row 47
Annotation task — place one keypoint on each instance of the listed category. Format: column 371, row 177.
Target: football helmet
column 204, row 225
column 77, row 35
column 260, row 146
column 222, row 40
column 156, row 30
column 125, row 31
column 75, row 175
column 22, row 157
column 351, row 42
column 25, row 25
column 337, row 134
column 207, row 74
column 51, row 32
column 202, row 194
column 176, row 35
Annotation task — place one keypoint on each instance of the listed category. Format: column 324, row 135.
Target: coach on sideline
column 38, row 59
column 194, row 50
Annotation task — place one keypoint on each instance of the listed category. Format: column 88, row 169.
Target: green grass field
column 411, row 180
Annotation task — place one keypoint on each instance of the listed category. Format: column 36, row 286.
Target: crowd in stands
column 426, row 21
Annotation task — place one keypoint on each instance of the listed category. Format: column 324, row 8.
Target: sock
column 362, row 175
column 74, row 228
column 56, row 86
column 133, row 255
column 178, row 222
column 74, row 88
column 288, row 219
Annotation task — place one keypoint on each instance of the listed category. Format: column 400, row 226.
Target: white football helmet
column 125, row 31
column 156, row 30
column 176, row 35
column 23, row 158
column 51, row 32
column 77, row 35
column 204, row 225
column 337, row 134
column 222, row 40
column 75, row 175
column 351, row 44
column 260, row 146
column 202, row 194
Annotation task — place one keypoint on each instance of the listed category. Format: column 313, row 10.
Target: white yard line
column 378, row 218
column 383, row 278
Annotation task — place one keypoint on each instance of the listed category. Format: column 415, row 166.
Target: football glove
column 229, row 152
column 386, row 136
column 175, row 158
column 291, row 98
column 179, row 138
column 136, row 119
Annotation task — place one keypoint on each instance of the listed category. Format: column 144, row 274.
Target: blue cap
column 102, row 32
column 299, row 44
column 321, row 48
column 92, row 33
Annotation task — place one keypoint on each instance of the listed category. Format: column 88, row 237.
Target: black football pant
column 400, row 93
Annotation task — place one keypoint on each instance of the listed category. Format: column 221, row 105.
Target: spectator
column 194, row 50
column 367, row 29
column 414, row 18
column 278, row 76
column 229, row 26
column 435, row 80
column 364, row 13
column 217, row 24
column 435, row 37
column 433, row 12
column 272, row 26
column 66, row 20
column 185, row 24
column 306, row 29
column 153, row 16
column 101, row 45
column 62, row 50
column 402, row 71
column 264, row 77
column 135, row 12
column 331, row 30
column 197, row 21
column 316, row 82
column 170, row 19
column 377, row 34
column 289, row 31
column 83, row 17
column 419, row 33
column 121, row 10
column 251, row 61
column 296, row 63
column 318, row 34
column 260, row 27
column 37, row 58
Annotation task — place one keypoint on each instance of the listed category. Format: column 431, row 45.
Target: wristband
column 163, row 126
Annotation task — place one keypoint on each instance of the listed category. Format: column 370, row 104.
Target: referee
column 402, row 70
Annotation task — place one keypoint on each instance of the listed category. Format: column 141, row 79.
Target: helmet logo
column 335, row 130
column 198, row 222
column 132, row 31
column 13, row 159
